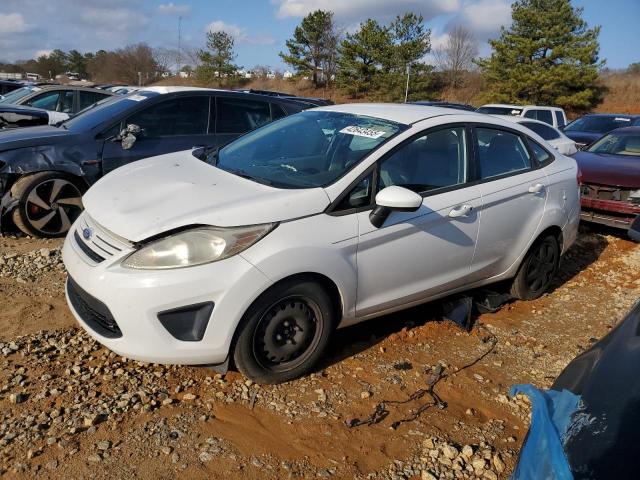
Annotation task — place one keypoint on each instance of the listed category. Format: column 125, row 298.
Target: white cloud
column 239, row 34
column 358, row 10
column 107, row 20
column 12, row 23
column 42, row 53
column 485, row 17
column 172, row 9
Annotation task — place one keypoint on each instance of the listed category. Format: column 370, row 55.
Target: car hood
column 159, row 194
column 32, row 137
column 582, row 137
column 603, row 169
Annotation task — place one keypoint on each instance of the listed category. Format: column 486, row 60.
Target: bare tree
column 166, row 58
column 455, row 57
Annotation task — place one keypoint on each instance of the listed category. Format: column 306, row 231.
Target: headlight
column 196, row 247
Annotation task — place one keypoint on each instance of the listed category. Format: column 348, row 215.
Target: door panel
column 417, row 254
column 513, row 205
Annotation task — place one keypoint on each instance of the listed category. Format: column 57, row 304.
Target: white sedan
column 555, row 137
column 259, row 251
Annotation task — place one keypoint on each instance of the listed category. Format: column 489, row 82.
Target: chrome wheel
column 52, row 206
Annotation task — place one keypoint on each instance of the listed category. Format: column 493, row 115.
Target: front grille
column 99, row 244
column 92, row 311
column 603, row 192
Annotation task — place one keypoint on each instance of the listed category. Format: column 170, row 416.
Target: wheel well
column 326, row 283
column 556, row 232
column 80, row 182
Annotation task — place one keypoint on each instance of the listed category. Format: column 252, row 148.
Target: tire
column 537, row 269
column 48, row 203
column 285, row 332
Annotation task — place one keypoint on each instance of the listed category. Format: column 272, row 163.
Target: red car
column 610, row 184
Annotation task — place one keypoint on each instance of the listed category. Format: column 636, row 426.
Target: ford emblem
column 87, row 233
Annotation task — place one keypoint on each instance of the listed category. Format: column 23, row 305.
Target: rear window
column 544, row 131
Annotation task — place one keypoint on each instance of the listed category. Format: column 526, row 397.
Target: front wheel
column 285, row 332
column 48, row 203
column 537, row 270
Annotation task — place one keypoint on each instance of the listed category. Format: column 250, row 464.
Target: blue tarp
column 542, row 455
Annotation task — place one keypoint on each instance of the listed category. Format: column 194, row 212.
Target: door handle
column 460, row 211
column 537, row 188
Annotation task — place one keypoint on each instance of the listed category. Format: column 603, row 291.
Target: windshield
column 499, row 110
column 306, row 150
column 596, row 124
column 618, row 144
column 105, row 110
column 12, row 97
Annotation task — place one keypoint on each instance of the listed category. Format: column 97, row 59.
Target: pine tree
column 312, row 50
column 216, row 61
column 548, row 57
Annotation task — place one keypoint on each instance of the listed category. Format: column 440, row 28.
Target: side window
column 543, row 157
column 359, row 196
column 89, row 98
column 47, row 100
column 435, row 160
column 545, row 116
column 236, row 115
column 500, row 152
column 65, row 105
column 531, row 114
column 178, row 116
column 545, row 132
column 277, row 112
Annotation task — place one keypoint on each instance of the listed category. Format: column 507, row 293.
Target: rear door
column 235, row 116
column 514, row 194
column 171, row 125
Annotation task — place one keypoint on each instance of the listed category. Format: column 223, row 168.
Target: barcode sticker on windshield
column 362, row 131
column 622, row 119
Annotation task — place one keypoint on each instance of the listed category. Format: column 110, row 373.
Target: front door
column 168, row 126
column 414, row 255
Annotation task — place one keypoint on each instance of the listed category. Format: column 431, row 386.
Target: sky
column 261, row 27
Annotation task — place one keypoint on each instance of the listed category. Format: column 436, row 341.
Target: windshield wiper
column 244, row 174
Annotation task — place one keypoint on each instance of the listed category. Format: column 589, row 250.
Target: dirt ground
column 71, row 409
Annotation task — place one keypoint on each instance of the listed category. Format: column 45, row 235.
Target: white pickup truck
column 552, row 115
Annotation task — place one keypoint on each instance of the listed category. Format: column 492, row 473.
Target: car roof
column 609, row 115
column 511, row 105
column 513, row 118
column 394, row 112
column 175, row 89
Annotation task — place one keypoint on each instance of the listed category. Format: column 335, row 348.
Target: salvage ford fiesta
column 257, row 252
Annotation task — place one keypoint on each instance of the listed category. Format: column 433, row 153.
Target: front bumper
column 134, row 298
column 613, row 213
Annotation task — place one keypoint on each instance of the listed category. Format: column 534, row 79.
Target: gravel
column 27, row 267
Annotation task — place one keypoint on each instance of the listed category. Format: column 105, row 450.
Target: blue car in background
column 44, row 170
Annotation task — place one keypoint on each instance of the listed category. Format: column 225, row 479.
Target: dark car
column 58, row 102
column 437, row 103
column 588, row 425
column 45, row 170
column 311, row 101
column 610, row 170
column 7, row 86
column 589, row 128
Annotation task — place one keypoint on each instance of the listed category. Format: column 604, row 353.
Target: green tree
column 361, row 57
column 313, row 48
column 216, row 60
column 548, row 56
column 634, row 67
column 77, row 63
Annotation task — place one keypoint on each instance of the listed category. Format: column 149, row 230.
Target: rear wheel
column 285, row 332
column 537, row 269
column 48, row 203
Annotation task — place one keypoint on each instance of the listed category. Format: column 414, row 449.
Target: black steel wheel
column 537, row 270
column 284, row 333
column 48, row 204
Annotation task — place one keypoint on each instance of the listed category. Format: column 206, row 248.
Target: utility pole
column 179, row 44
column 406, row 90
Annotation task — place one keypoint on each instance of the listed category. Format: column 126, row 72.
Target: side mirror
column 393, row 198
column 129, row 135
